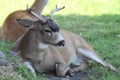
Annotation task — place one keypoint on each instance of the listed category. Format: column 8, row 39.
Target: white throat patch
column 43, row 45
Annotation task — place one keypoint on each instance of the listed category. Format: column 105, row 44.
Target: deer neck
column 38, row 6
column 37, row 38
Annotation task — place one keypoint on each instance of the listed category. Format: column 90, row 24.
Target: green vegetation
column 97, row 21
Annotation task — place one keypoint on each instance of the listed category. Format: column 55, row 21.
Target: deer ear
column 25, row 23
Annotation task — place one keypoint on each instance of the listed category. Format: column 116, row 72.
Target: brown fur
column 11, row 30
column 76, row 51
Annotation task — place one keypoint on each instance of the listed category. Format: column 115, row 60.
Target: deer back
column 11, row 30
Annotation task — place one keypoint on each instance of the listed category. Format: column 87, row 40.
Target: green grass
column 97, row 21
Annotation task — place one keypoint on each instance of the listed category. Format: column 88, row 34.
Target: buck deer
column 39, row 51
column 11, row 30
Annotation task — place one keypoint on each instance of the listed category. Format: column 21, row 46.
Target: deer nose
column 61, row 43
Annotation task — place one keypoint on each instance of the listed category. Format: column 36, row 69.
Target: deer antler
column 51, row 15
column 54, row 10
column 40, row 17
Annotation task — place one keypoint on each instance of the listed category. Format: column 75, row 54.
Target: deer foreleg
column 62, row 69
column 80, row 67
column 29, row 66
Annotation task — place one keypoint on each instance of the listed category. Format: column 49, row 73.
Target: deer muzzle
column 60, row 40
column 61, row 43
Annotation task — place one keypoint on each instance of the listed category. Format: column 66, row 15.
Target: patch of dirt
column 6, row 71
column 81, row 75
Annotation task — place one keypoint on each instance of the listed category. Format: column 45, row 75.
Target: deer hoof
column 71, row 73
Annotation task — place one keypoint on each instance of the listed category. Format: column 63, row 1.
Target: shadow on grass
column 103, row 29
column 102, row 32
column 74, row 20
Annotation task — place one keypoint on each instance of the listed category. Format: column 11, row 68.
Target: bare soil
column 81, row 75
column 7, row 72
column 6, row 69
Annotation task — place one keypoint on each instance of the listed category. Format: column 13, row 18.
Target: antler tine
column 40, row 17
column 55, row 10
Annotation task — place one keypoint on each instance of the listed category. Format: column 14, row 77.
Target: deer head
column 46, row 29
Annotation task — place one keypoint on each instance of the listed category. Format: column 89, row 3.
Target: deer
column 10, row 26
column 46, row 47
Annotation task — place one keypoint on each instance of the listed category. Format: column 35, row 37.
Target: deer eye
column 48, row 31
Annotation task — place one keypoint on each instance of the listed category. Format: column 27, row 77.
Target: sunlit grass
column 8, row 6
column 80, row 7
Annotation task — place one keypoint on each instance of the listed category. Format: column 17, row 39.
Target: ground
column 78, row 76
column 6, row 70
